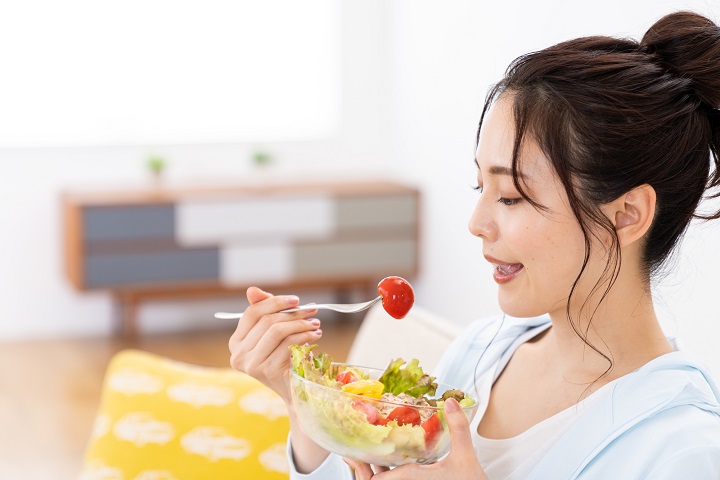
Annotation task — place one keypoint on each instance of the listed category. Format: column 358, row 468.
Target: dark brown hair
column 612, row 114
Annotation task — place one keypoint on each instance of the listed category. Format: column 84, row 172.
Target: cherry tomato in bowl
column 397, row 296
column 405, row 416
column 346, row 377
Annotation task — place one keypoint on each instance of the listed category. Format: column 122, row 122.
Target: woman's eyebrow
column 499, row 170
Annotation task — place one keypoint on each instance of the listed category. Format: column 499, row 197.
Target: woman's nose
column 481, row 224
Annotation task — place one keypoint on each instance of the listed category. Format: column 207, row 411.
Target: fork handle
column 237, row 316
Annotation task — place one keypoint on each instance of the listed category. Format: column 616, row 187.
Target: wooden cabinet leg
column 130, row 321
column 126, row 310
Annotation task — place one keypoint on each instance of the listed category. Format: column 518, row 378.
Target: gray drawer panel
column 120, row 269
column 380, row 211
column 349, row 258
column 358, row 212
column 144, row 221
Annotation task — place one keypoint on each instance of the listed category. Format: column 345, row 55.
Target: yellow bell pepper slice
column 366, row 388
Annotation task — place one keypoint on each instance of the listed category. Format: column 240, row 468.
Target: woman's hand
column 259, row 345
column 461, row 462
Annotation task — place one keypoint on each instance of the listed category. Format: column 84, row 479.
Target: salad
column 388, row 417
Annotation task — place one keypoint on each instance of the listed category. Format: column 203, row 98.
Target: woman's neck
column 622, row 334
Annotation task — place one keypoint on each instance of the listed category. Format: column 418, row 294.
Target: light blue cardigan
column 660, row 422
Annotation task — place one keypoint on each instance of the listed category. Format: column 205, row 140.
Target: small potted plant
column 261, row 158
column 156, row 164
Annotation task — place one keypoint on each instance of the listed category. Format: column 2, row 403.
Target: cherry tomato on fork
column 397, row 296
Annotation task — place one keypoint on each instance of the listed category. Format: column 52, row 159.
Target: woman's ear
column 633, row 213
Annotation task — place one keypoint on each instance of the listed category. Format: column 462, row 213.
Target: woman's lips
column 504, row 272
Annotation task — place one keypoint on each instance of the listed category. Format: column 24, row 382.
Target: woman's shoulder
column 678, row 442
column 675, row 378
column 479, row 333
column 482, row 343
column 665, row 413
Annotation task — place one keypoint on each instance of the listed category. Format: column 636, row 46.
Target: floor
column 50, row 390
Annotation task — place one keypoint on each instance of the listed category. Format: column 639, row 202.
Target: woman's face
column 537, row 254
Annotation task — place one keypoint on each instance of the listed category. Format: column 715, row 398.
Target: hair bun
column 688, row 45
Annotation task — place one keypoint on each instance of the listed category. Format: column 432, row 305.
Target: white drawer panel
column 251, row 264
column 281, row 218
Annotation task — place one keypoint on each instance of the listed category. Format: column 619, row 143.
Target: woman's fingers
column 460, row 439
column 261, row 303
column 255, row 295
column 363, row 471
column 248, row 332
column 264, row 330
column 270, row 325
column 280, row 335
column 462, row 457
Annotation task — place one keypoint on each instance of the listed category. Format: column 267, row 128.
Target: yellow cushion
column 161, row 419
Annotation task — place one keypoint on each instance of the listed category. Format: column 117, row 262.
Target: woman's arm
column 259, row 347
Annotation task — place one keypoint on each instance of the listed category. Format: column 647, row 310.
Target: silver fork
column 338, row 307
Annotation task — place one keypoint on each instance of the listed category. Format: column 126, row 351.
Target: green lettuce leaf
column 318, row 369
column 400, row 377
column 349, row 425
column 301, row 358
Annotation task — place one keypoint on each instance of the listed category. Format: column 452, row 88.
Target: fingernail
column 315, row 322
column 292, row 300
column 451, row 405
column 318, row 332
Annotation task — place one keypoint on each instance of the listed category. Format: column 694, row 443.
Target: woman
column 593, row 156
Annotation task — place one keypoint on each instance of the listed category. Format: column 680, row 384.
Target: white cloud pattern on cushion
column 131, row 382
column 141, row 429
column 97, row 470
column 215, row 444
column 155, row 475
column 199, row 395
column 274, row 458
column 264, row 402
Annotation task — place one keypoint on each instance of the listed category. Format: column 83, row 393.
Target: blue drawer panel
column 134, row 222
column 172, row 266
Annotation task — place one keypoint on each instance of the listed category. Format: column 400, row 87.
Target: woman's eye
column 509, row 201
column 477, row 188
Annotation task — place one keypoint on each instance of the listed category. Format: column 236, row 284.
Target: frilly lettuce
column 409, row 378
column 318, row 368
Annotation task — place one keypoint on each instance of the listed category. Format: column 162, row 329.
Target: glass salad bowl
column 349, row 415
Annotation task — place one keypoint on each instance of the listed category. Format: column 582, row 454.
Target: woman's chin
column 517, row 309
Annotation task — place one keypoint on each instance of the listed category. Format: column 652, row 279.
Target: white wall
column 35, row 298
column 415, row 76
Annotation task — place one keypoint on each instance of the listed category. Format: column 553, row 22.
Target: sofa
column 161, row 419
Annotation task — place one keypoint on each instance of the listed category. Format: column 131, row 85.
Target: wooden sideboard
column 155, row 243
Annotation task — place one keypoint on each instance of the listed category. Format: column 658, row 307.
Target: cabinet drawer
column 245, row 217
column 129, row 222
column 382, row 211
column 106, row 270
column 353, row 258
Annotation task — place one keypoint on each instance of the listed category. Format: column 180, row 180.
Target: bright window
column 80, row 72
